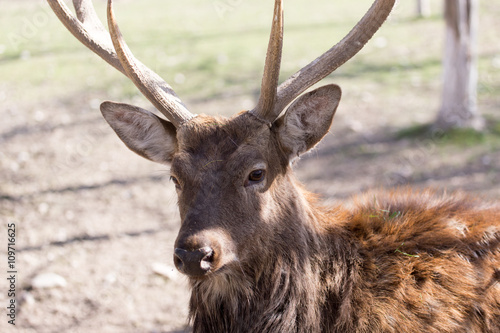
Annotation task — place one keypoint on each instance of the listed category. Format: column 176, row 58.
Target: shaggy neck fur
column 277, row 290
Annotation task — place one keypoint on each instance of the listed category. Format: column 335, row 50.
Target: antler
column 89, row 30
column 325, row 64
column 270, row 78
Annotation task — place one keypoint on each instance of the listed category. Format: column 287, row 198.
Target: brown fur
column 397, row 261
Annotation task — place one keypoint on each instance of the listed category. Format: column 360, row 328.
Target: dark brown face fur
column 225, row 171
column 234, row 185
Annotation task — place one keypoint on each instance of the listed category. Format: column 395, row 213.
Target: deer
column 260, row 252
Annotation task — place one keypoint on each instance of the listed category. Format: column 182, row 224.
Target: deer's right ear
column 142, row 131
column 308, row 120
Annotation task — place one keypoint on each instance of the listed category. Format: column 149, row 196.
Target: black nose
column 193, row 263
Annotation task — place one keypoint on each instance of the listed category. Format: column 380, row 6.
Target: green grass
column 465, row 137
column 209, row 49
column 459, row 137
column 415, row 131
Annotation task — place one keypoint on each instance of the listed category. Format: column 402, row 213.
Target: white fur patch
column 458, row 226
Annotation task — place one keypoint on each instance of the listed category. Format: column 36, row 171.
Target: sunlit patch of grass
column 419, row 131
column 460, row 137
column 464, row 137
column 494, row 127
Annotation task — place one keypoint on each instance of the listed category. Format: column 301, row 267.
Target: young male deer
column 261, row 254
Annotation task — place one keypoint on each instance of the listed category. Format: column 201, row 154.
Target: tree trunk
column 459, row 105
column 423, row 8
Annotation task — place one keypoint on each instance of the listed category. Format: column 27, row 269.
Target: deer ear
column 141, row 131
column 308, row 120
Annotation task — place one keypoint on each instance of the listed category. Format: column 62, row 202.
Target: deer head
column 232, row 175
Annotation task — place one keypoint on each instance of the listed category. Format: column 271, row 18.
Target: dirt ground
column 104, row 220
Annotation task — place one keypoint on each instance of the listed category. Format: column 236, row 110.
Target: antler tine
column 322, row 66
column 152, row 86
column 87, row 28
column 270, row 78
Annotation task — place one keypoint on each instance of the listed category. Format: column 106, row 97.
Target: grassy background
column 211, row 49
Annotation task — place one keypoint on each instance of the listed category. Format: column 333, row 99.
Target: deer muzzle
column 194, row 263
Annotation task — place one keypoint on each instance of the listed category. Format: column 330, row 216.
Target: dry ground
column 102, row 218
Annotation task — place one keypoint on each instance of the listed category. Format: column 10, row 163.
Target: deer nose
column 194, row 263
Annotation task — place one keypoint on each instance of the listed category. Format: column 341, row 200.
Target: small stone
column 166, row 271
column 27, row 298
column 110, row 278
column 43, row 208
column 48, row 280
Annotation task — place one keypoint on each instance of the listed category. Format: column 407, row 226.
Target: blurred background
column 96, row 223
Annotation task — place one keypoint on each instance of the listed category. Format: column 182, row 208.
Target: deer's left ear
column 308, row 120
column 142, row 131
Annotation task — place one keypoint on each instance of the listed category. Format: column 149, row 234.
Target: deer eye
column 255, row 176
column 175, row 181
